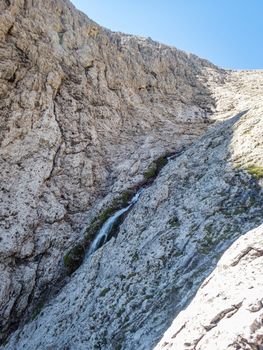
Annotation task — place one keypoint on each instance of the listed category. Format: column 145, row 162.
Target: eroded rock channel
column 85, row 115
column 108, row 222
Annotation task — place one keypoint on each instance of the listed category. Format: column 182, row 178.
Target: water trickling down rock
column 84, row 113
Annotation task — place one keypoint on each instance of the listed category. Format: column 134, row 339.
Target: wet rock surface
column 84, row 113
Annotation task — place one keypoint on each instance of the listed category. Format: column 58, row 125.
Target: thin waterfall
column 106, row 228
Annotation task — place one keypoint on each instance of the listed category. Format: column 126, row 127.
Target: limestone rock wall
column 83, row 113
column 127, row 294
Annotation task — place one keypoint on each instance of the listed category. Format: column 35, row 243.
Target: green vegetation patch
column 151, row 172
column 255, row 171
column 120, row 312
column 155, row 168
column 174, row 222
column 37, row 309
column 104, row 292
column 75, row 256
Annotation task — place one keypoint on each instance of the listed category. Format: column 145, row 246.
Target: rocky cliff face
column 233, row 313
column 84, row 113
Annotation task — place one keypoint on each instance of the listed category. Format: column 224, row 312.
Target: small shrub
column 151, row 172
column 174, row 222
column 74, row 258
column 104, row 292
column 126, row 196
column 120, row 312
column 161, row 162
column 37, row 309
column 155, row 168
column 135, row 257
column 255, row 171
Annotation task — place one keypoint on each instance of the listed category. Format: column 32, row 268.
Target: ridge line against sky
column 226, row 32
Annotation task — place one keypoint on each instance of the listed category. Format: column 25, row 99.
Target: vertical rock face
column 84, row 111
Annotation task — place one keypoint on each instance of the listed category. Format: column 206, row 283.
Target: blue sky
column 229, row 33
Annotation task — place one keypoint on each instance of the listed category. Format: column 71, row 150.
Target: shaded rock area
column 85, row 112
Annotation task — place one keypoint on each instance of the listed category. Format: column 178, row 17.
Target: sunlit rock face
column 227, row 312
column 84, row 113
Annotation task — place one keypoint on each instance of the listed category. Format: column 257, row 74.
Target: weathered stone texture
column 84, row 112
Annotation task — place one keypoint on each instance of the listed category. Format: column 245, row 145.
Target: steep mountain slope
column 126, row 294
column 232, row 295
column 84, row 113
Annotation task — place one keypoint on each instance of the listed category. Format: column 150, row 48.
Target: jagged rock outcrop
column 232, row 295
column 84, row 111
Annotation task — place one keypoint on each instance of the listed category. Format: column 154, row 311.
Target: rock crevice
column 84, row 114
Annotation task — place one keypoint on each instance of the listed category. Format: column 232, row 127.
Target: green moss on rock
column 37, row 309
column 155, row 168
column 104, row 292
column 74, row 258
column 174, row 222
column 255, row 171
column 151, row 172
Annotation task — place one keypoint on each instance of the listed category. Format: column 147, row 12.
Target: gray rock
column 227, row 311
column 84, row 112
column 128, row 292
